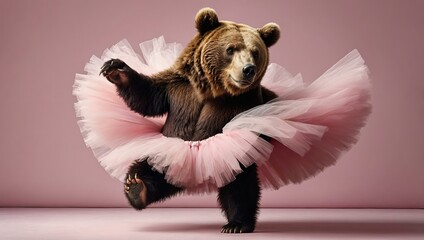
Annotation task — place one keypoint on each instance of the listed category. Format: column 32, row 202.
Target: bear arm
column 267, row 95
column 145, row 95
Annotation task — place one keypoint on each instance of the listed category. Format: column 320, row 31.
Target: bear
column 217, row 76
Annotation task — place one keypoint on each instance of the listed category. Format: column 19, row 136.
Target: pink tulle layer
column 310, row 126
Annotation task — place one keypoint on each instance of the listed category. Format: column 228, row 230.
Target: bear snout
column 244, row 76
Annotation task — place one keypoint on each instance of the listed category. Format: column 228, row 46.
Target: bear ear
column 206, row 20
column 270, row 33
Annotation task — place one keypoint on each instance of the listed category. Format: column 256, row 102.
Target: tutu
column 310, row 126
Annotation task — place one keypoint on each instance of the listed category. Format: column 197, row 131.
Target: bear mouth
column 243, row 83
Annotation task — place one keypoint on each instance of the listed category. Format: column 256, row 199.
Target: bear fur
column 216, row 77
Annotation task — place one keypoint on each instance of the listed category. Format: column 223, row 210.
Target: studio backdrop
column 43, row 44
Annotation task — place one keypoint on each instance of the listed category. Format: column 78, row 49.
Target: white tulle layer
column 310, row 126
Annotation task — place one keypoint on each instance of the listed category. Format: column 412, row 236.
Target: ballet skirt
column 310, row 126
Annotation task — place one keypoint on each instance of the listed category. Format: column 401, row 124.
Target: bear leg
column 239, row 201
column 145, row 186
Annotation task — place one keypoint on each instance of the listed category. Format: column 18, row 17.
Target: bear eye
column 230, row 50
column 255, row 54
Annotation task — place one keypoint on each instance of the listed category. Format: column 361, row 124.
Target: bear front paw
column 116, row 71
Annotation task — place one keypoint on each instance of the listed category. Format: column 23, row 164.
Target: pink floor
column 192, row 223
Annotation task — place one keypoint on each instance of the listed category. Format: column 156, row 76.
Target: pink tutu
column 310, row 126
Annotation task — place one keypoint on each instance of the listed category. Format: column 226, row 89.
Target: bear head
column 227, row 58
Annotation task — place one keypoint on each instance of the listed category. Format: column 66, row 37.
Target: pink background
column 44, row 162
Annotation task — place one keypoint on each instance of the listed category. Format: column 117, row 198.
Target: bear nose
column 249, row 70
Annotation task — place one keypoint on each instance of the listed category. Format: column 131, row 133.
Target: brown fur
column 205, row 88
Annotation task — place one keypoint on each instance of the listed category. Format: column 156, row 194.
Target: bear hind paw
column 136, row 190
column 237, row 228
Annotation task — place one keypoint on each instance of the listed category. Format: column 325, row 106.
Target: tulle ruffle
column 338, row 101
column 310, row 125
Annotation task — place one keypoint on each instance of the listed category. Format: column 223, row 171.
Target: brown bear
column 216, row 77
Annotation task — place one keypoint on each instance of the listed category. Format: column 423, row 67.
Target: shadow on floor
column 303, row 227
column 338, row 227
column 182, row 227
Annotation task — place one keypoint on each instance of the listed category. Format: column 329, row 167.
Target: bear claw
column 236, row 228
column 112, row 64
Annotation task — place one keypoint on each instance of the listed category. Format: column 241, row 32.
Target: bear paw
column 237, row 228
column 116, row 71
column 136, row 190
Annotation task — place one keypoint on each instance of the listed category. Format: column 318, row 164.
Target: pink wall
column 44, row 162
